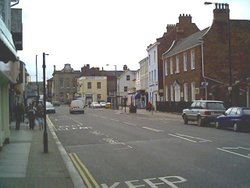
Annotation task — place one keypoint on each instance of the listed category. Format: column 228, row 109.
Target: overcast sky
column 100, row 32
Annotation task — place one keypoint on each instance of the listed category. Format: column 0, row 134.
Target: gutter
column 17, row 2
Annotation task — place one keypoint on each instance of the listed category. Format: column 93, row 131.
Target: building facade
column 64, row 86
column 92, row 88
column 174, row 32
column 141, row 95
column 9, row 71
column 211, row 64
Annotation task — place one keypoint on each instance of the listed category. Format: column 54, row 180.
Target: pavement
column 23, row 163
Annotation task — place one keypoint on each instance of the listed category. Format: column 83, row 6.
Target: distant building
column 64, row 84
column 92, row 88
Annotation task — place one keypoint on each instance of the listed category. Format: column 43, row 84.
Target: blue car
column 237, row 118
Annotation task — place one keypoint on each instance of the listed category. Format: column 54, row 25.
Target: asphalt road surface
column 119, row 150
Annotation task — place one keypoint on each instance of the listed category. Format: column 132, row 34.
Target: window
column 155, row 75
column 166, row 67
column 74, row 82
column 177, row 92
column 166, row 93
column 99, row 85
column 177, row 64
column 125, row 88
column 152, row 76
column 193, row 91
column 67, row 84
column 89, row 85
column 171, row 93
column 185, row 92
column 149, row 59
column 61, row 82
column 128, row 77
column 192, row 59
column 149, row 77
column 99, row 97
column 154, row 56
column 185, row 61
column 171, row 66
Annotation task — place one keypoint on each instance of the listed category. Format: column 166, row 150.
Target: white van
column 76, row 106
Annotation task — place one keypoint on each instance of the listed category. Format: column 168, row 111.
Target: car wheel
column 185, row 119
column 236, row 127
column 199, row 121
column 217, row 125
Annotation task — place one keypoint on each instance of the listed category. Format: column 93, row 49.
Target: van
column 76, row 106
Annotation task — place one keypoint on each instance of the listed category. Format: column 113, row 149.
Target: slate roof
column 185, row 43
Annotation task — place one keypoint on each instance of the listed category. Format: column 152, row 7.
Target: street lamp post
column 45, row 134
column 229, row 51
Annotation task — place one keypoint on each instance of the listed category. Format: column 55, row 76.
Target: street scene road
column 112, row 148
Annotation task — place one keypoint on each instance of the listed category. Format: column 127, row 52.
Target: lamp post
column 37, row 86
column 115, row 94
column 45, row 134
column 229, row 51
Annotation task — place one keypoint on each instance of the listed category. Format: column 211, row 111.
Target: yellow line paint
column 86, row 171
column 85, row 178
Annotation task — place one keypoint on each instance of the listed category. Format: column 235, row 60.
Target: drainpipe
column 203, row 70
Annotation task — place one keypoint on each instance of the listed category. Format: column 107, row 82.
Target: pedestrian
column 40, row 116
column 19, row 114
column 31, row 116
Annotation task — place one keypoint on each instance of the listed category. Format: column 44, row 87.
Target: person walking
column 19, row 114
column 31, row 116
column 40, row 117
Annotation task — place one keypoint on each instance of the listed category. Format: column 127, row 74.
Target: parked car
column 108, row 105
column 237, row 118
column 76, row 106
column 50, row 108
column 203, row 111
column 102, row 104
column 95, row 105
column 56, row 103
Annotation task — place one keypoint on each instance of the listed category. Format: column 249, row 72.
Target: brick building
column 177, row 31
column 210, row 64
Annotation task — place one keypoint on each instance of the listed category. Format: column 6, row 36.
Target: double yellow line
column 83, row 171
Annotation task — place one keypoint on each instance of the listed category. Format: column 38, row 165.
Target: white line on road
column 200, row 139
column 77, row 121
column 183, row 138
column 235, row 153
column 127, row 123
column 114, row 119
column 151, row 129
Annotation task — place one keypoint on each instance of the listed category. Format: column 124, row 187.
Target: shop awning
column 7, row 47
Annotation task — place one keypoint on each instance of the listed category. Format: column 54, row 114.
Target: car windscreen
column 215, row 106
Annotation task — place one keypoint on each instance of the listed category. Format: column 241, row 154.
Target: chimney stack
column 221, row 12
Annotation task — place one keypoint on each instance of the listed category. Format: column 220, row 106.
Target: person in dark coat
column 19, row 115
column 31, row 116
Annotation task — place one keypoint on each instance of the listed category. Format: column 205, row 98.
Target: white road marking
column 182, row 138
column 114, row 120
column 127, row 123
column 200, row 139
column 227, row 149
column 151, row 129
column 189, row 138
column 78, row 122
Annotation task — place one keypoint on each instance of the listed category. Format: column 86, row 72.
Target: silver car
column 203, row 111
